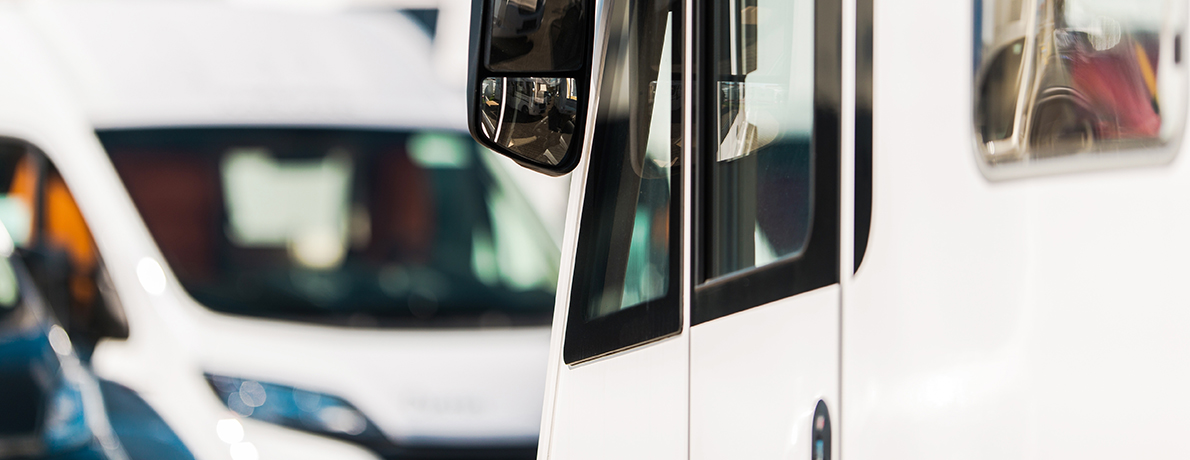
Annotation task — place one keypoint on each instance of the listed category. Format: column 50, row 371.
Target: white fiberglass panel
column 756, row 377
column 1029, row 319
column 631, row 405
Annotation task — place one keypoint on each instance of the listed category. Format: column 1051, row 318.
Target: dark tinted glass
column 534, row 118
column 361, row 227
column 642, row 117
column 625, row 285
column 761, row 188
column 536, row 35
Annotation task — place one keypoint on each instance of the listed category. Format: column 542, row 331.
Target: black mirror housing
column 529, row 79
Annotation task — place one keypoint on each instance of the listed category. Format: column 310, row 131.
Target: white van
column 314, row 259
column 815, row 229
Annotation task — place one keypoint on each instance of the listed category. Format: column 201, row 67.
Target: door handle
column 820, row 433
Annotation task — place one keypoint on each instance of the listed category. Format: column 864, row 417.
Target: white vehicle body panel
column 1020, row 319
column 1031, row 318
column 756, row 376
column 633, row 407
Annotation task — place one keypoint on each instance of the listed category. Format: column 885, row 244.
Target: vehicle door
column 620, row 389
column 765, row 313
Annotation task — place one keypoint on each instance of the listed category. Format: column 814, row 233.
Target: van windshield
column 355, row 227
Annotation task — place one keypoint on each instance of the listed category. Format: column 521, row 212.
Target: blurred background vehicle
column 52, row 406
column 312, row 257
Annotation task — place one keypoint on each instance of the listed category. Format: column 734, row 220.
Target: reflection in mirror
column 1067, row 77
column 536, row 35
column 532, row 117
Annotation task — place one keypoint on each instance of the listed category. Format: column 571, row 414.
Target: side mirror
column 530, row 73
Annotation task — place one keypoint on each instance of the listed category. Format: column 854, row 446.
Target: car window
column 769, row 191
column 761, row 186
column 55, row 242
column 625, row 287
column 341, row 226
column 1075, row 77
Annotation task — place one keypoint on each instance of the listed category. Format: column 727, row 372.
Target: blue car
column 51, row 405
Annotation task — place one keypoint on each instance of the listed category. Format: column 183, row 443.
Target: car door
column 765, row 327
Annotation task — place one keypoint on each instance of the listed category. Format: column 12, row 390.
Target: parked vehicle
column 303, row 275
column 52, row 405
column 57, row 298
column 819, row 249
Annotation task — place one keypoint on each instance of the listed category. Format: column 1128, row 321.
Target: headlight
column 294, row 408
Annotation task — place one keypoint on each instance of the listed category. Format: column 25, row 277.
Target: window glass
column 1066, row 77
column 638, row 104
column 339, row 226
column 761, row 187
column 624, row 288
column 10, row 287
column 18, row 181
column 55, row 243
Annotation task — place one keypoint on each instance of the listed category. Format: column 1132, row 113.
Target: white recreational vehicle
column 813, row 229
column 312, row 257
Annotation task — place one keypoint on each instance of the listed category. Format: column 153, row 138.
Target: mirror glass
column 532, row 117
column 536, row 35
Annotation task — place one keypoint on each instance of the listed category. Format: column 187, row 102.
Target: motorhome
column 855, row 229
column 312, row 257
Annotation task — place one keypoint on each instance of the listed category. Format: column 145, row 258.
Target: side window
column 54, row 241
column 625, row 289
column 1077, row 78
column 769, row 190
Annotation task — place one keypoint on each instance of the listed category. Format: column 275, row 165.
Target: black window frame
column 864, row 50
column 818, row 265
column 588, row 338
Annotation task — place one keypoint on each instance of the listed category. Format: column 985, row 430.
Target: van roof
column 140, row 63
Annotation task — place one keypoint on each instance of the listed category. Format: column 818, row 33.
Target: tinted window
column 761, row 183
column 363, row 227
column 55, row 243
column 625, row 289
column 769, row 157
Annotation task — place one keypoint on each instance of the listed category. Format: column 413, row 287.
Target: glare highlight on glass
column 151, row 276
column 60, row 341
column 10, row 289
column 65, row 421
column 302, row 204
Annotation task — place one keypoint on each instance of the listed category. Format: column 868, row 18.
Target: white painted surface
column 190, row 62
column 630, row 407
column 1035, row 318
column 463, row 386
column 757, row 376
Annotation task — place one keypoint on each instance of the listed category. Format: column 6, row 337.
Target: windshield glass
column 348, row 226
